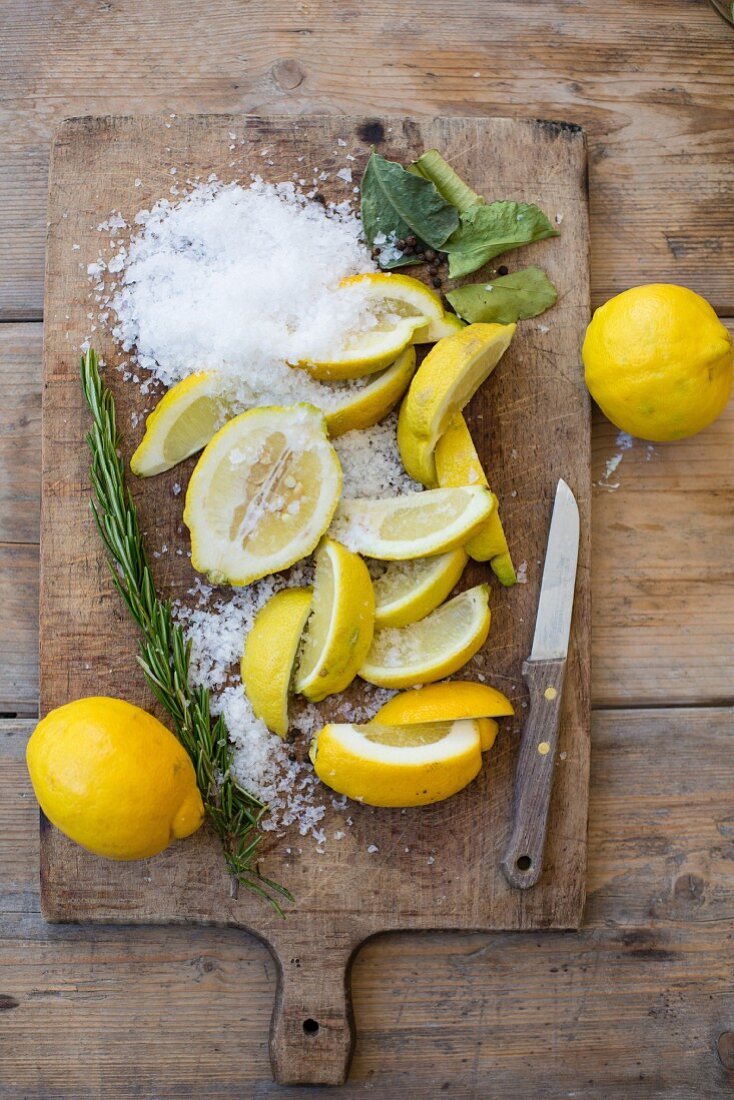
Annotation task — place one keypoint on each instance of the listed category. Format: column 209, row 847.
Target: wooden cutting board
column 435, row 867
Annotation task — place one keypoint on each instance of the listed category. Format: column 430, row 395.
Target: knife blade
column 544, row 673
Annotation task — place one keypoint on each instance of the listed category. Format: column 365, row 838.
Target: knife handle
column 523, row 860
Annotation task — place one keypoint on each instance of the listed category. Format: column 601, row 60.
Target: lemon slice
column 417, row 525
column 339, row 632
column 409, row 590
column 446, row 380
column 432, row 648
column 183, row 422
column 270, row 653
column 262, row 493
column 361, row 408
column 445, row 702
column 397, row 766
column 457, row 463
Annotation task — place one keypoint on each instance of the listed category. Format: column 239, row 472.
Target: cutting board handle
column 312, row 1028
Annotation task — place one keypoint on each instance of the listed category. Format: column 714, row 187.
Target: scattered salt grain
column 372, row 848
column 522, row 573
column 345, row 174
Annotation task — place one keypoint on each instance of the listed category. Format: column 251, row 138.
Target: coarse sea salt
column 243, row 280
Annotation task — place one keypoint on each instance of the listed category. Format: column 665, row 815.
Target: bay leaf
column 509, row 298
column 397, row 204
column 488, row 231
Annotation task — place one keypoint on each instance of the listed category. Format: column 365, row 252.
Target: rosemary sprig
column 165, row 653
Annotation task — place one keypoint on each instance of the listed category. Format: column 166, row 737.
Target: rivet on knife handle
column 523, row 861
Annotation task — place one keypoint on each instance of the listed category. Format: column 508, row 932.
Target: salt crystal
column 345, row 174
column 372, row 848
column 180, row 303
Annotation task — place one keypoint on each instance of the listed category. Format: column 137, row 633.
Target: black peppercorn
column 436, row 281
column 433, row 270
column 411, row 240
column 400, row 244
column 430, row 255
column 503, row 269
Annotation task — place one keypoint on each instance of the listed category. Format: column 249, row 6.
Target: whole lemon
column 658, row 361
column 113, row 778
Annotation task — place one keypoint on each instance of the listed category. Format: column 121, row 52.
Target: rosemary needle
column 164, row 652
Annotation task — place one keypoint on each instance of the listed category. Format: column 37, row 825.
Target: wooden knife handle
column 523, row 861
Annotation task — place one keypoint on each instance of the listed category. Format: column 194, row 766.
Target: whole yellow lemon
column 113, row 778
column 658, row 362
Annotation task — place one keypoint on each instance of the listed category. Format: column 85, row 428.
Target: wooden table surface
column 641, row 1002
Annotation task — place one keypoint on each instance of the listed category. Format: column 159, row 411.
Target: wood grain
column 86, row 646
column 20, row 432
column 651, row 83
column 19, row 602
column 632, row 1006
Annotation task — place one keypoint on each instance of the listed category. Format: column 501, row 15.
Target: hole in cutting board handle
column 523, row 863
column 311, row 1027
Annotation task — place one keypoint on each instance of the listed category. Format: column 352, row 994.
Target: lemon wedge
column 449, row 702
column 339, row 631
column 446, row 380
column 416, row 525
column 262, row 494
column 432, row 648
column 362, row 408
column 403, row 296
column 445, row 702
column 183, row 421
column 457, row 463
column 270, row 652
column 409, row 590
column 397, row 765
column 403, row 311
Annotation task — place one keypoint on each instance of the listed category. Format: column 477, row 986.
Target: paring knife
column 543, row 673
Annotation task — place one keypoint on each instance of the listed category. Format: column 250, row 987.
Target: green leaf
column 487, row 231
column 397, row 204
column 432, row 166
column 510, row 298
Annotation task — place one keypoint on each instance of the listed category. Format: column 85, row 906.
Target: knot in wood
column 287, row 74
column 725, row 1049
